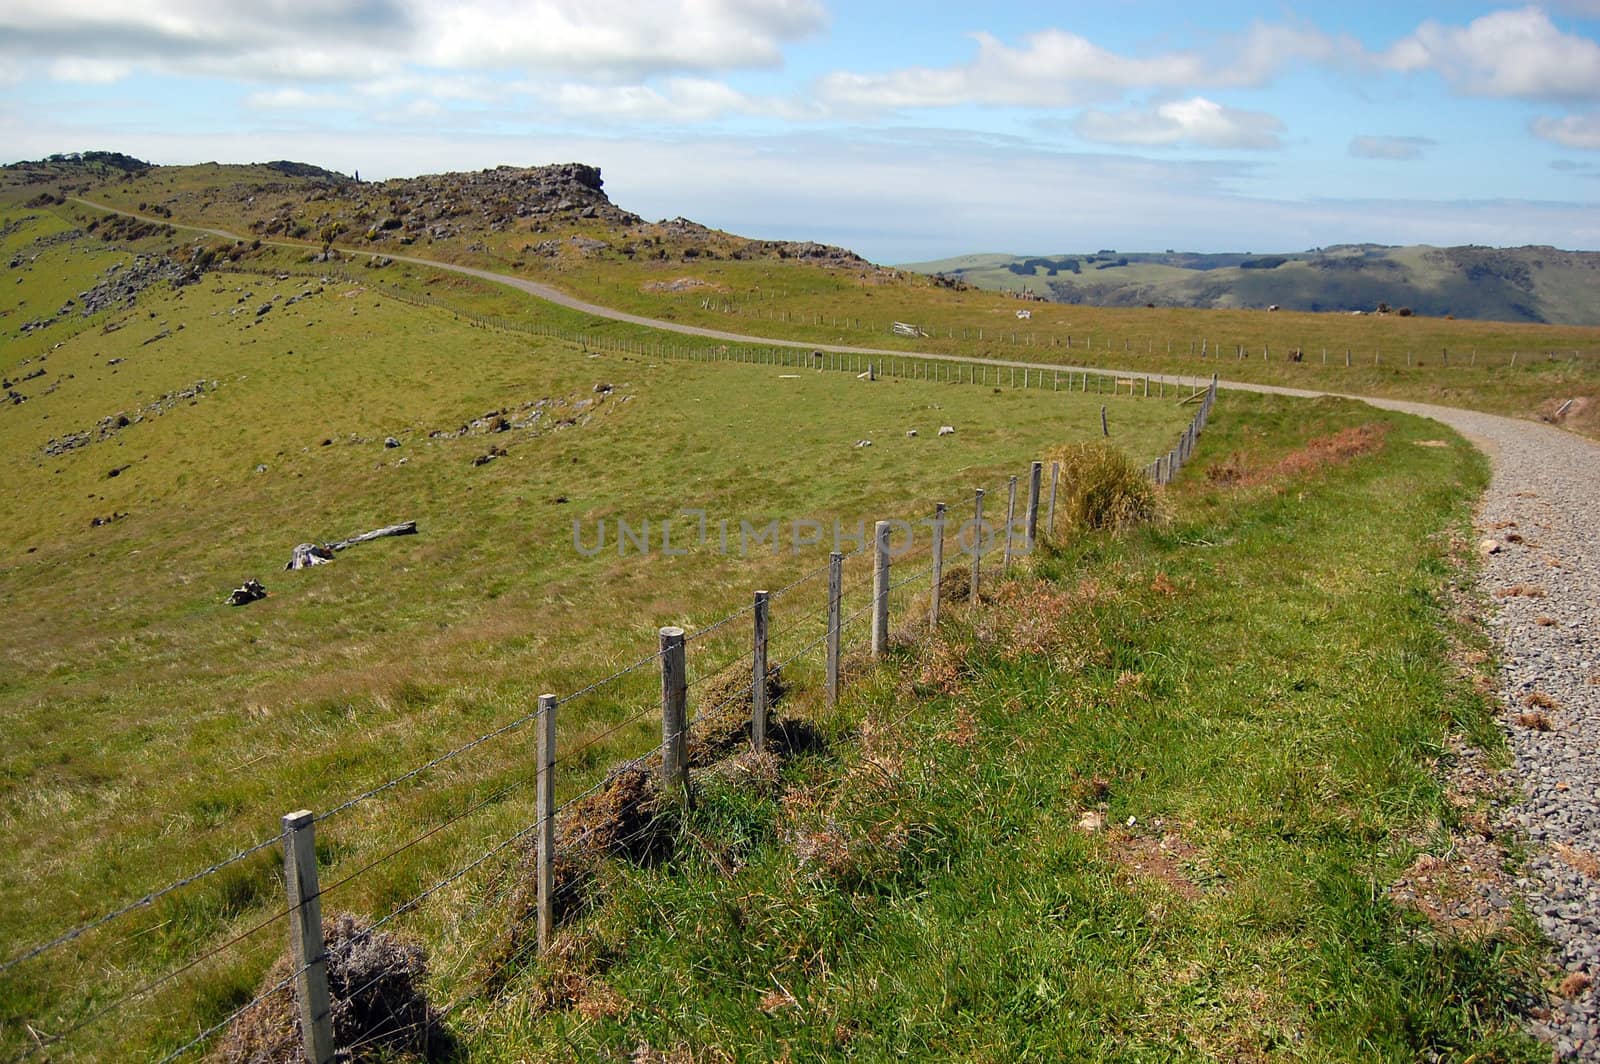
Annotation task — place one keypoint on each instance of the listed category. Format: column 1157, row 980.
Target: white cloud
column 1056, row 68
column 294, row 100
column 90, row 71
column 1572, row 131
column 684, row 100
column 360, row 39
column 617, row 36
column 1394, row 149
column 1196, row 121
column 1519, row 54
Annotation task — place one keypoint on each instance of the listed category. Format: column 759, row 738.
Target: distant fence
column 1167, row 466
column 939, row 369
column 823, row 611
column 1204, row 348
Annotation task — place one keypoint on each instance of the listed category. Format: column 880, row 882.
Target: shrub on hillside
column 1100, row 488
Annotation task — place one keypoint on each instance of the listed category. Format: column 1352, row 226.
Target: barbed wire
column 706, row 675
column 154, row 984
column 473, row 744
column 234, row 1015
column 402, row 848
column 571, row 754
column 701, row 633
column 149, row 899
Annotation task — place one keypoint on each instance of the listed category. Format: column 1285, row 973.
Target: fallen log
column 405, row 528
column 305, row 555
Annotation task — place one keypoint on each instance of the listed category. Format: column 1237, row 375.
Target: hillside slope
column 1526, row 284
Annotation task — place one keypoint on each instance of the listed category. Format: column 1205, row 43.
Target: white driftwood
column 308, row 554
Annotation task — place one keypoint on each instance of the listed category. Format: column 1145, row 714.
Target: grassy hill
column 1526, row 284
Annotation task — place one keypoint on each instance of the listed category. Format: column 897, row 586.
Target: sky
column 905, row 131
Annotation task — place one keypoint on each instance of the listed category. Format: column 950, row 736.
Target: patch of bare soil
column 1162, row 859
column 1339, row 448
column 1580, row 413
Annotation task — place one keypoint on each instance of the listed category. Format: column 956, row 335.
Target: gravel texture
column 1539, row 530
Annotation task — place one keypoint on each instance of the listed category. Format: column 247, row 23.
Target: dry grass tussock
column 1020, row 618
column 1338, row 448
column 380, row 1006
column 1100, row 488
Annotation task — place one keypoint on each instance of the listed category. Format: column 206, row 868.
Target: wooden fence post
column 544, row 810
column 307, row 949
column 674, row 715
column 1035, row 475
column 938, row 565
column 835, row 610
column 1011, row 517
column 880, row 588
column 1105, row 427
column 1050, row 513
column 758, row 676
column 977, row 544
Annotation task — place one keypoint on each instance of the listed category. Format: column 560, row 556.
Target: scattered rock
column 947, row 430
column 245, row 593
column 391, row 442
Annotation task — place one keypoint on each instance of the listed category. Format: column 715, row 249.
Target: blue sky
column 905, row 131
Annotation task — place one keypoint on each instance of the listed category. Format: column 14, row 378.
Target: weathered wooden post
column 1050, row 514
column 938, row 565
column 880, row 588
column 307, row 949
column 674, row 715
column 1011, row 519
column 1035, row 475
column 977, row 544
column 758, row 679
column 1105, row 426
column 545, row 811
column 835, row 610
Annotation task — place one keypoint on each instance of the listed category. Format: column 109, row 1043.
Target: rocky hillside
column 510, row 214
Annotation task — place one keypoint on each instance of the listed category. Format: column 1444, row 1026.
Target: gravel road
column 1542, row 512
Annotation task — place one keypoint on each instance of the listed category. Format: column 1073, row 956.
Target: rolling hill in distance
column 1524, row 284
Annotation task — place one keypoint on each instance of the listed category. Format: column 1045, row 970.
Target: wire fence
column 937, row 368
column 719, row 664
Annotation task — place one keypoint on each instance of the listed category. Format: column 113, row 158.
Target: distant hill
column 1526, row 284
